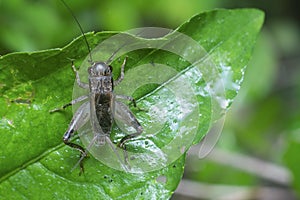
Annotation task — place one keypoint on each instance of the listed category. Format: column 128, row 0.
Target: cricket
column 100, row 106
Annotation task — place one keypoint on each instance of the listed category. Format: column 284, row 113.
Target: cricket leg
column 128, row 98
column 124, row 115
column 79, row 119
column 121, row 77
column 79, row 83
column 79, row 99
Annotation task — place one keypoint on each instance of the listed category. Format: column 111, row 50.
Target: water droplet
column 161, row 179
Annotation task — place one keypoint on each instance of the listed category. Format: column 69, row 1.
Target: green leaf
column 34, row 161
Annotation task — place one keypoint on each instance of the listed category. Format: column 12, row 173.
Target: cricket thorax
column 100, row 78
column 101, row 85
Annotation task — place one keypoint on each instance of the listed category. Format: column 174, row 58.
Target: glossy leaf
column 34, row 161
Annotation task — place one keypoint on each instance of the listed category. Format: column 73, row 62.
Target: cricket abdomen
column 104, row 112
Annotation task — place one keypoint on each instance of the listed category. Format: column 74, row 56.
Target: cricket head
column 100, row 69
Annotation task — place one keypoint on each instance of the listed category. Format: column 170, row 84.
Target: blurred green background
column 257, row 154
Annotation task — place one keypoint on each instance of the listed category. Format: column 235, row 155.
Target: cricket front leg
column 80, row 118
column 121, row 77
column 78, row 81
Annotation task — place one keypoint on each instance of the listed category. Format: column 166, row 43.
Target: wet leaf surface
column 34, row 161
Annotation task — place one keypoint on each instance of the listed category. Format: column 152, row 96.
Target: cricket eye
column 108, row 70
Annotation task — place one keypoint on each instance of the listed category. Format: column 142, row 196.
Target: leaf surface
column 34, row 161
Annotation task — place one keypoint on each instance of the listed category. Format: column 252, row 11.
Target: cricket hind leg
column 124, row 115
column 79, row 119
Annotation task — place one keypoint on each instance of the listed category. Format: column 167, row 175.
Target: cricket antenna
column 81, row 30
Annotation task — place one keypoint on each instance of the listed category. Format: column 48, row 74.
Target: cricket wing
column 80, row 118
column 125, row 119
